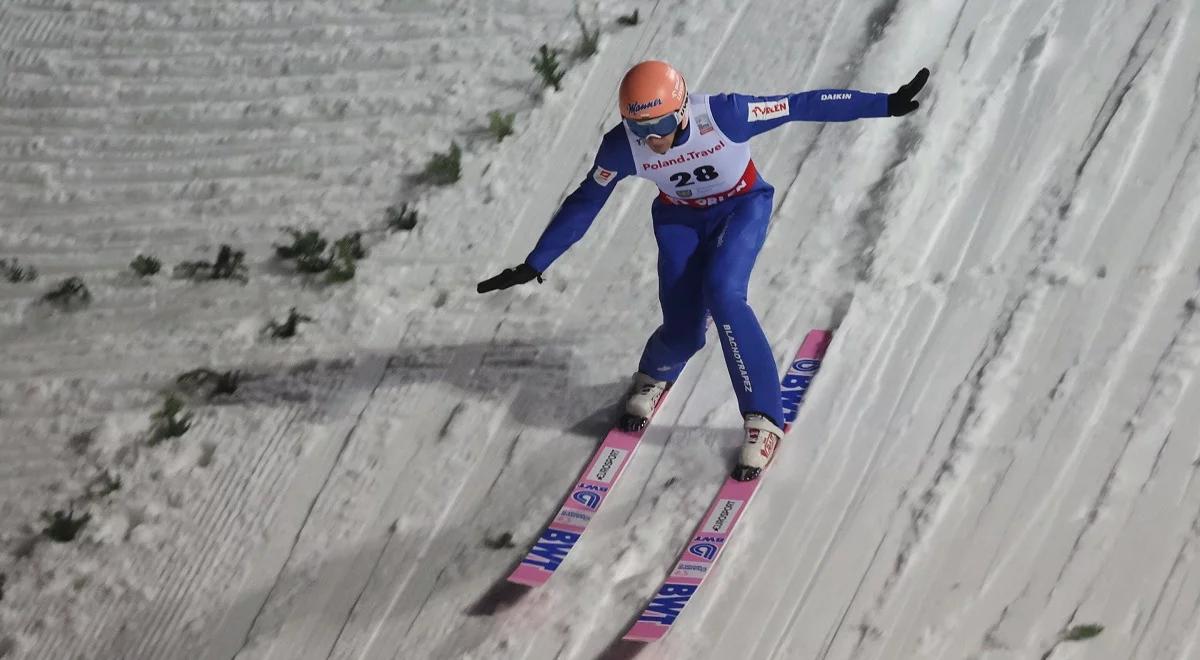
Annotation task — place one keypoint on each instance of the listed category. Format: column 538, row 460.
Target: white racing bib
column 709, row 168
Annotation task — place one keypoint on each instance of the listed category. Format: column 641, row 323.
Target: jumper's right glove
column 902, row 103
column 509, row 277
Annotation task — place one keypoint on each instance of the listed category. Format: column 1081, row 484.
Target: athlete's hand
column 509, row 277
column 902, row 103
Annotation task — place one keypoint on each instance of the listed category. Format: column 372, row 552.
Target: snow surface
column 1002, row 444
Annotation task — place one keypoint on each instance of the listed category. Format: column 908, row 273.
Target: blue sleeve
column 614, row 161
column 741, row 117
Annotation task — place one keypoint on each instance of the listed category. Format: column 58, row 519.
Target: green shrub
column 1082, row 632
column 401, row 219
column 70, row 295
column 306, row 249
column 209, row 383
column 287, row 329
column 589, row 40
column 169, row 421
column 500, row 125
column 103, row 485
column 443, row 168
column 228, row 266
column 310, row 254
column 546, row 64
column 13, row 271
column 63, row 526
column 145, row 266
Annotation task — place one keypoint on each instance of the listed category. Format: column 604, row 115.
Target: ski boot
column 762, row 436
column 644, row 395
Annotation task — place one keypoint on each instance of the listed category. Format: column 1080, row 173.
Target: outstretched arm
column 742, row 117
column 613, row 162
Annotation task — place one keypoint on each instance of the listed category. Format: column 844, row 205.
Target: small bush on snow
column 346, row 251
column 169, row 421
column 500, row 125
column 102, row 486
column 13, row 271
column 443, row 168
column 589, row 40
column 70, row 294
column 144, row 266
column 82, row 441
column 287, row 329
column 628, row 19
column 228, row 266
column 502, row 542
column 308, row 252
column 546, row 64
column 401, row 218
column 1082, row 632
column 197, row 381
column 63, row 526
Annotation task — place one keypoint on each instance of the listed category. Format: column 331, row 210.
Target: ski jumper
column 710, row 219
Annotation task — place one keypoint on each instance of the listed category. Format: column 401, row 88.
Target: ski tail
column 699, row 556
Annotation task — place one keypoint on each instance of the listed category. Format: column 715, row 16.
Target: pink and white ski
column 581, row 504
column 704, row 547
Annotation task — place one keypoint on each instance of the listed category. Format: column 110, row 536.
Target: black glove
column 902, row 103
column 509, row 277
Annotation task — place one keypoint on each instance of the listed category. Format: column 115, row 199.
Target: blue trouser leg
column 727, row 278
column 680, row 293
column 705, row 260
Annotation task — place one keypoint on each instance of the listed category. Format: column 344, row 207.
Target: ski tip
column 817, row 341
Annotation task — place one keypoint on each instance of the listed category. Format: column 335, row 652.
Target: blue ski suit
column 710, row 220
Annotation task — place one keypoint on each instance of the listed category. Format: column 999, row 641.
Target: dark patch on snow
column 879, row 19
column 501, row 542
column 501, row 596
column 454, row 413
column 1033, row 49
column 871, row 220
column 1136, row 60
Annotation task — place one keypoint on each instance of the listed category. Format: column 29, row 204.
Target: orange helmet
column 651, row 89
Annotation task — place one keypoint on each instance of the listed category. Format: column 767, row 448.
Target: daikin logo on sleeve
column 844, row 96
column 603, row 176
column 764, row 110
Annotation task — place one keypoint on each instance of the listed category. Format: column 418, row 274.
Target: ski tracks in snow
column 1004, row 419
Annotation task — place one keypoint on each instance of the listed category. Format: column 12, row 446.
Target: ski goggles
column 657, row 127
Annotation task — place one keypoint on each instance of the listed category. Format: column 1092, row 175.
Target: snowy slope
column 1001, row 445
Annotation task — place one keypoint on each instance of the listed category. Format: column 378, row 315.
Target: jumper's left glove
column 902, row 103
